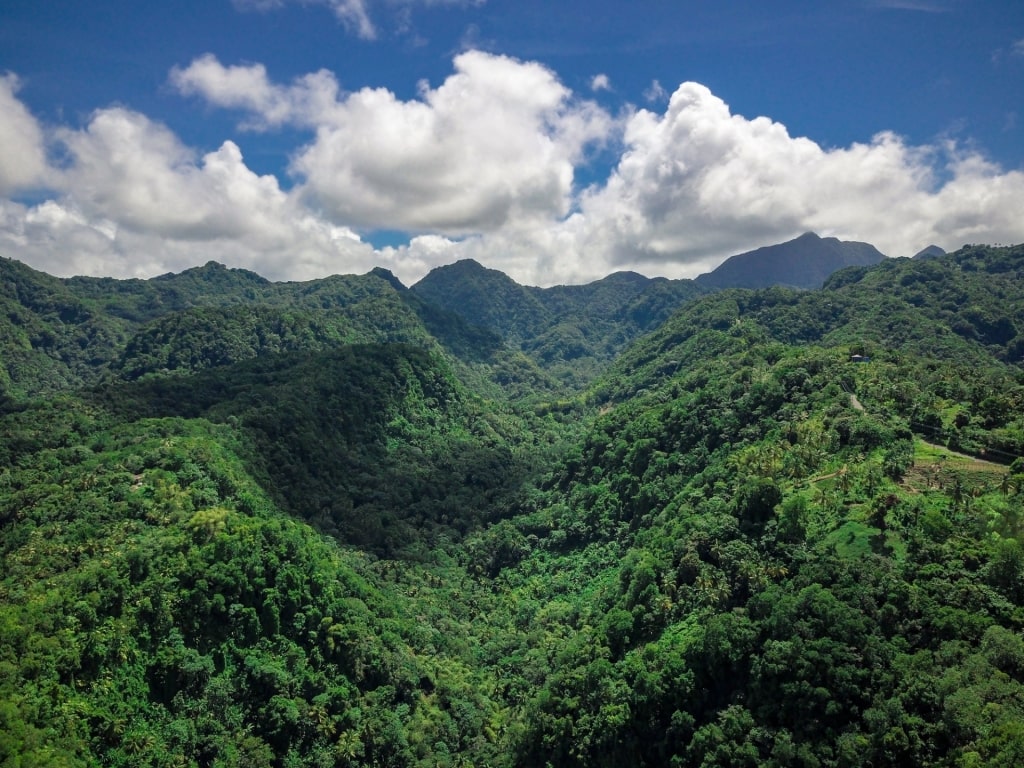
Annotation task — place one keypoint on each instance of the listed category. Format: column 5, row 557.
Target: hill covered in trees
column 336, row 523
column 572, row 331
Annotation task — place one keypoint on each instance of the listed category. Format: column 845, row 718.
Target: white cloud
column 528, row 253
column 23, row 157
column 481, row 166
column 59, row 238
column 128, row 169
column 1017, row 49
column 132, row 200
column 600, row 83
column 498, row 140
column 655, row 93
column 697, row 183
column 308, row 101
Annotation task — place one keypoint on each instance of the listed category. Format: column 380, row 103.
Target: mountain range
column 346, row 522
column 563, row 335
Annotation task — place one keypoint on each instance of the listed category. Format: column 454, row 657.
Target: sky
column 555, row 141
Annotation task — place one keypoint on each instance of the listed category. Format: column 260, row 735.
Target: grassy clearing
column 937, row 468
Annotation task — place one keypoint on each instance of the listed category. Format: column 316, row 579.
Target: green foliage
column 329, row 523
column 376, row 445
column 158, row 609
column 572, row 332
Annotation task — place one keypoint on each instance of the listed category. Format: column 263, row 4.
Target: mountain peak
column 625, row 277
column 389, row 277
column 804, row 262
column 213, row 272
column 930, row 252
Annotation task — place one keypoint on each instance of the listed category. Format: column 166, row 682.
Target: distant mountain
column 966, row 308
column 931, row 252
column 805, row 262
column 571, row 331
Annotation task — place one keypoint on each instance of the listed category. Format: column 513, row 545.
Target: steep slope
column 512, row 338
column 755, row 568
column 157, row 608
column 974, row 295
column 139, row 301
column 376, row 444
column 960, row 313
column 805, row 262
column 929, row 252
column 199, row 338
column 487, row 298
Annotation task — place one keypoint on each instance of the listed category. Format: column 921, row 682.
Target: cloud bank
column 482, row 165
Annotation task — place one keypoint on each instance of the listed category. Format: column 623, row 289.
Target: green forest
column 347, row 522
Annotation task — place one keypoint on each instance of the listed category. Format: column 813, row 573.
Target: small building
column 860, row 359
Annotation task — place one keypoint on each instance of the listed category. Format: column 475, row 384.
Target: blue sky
column 555, row 141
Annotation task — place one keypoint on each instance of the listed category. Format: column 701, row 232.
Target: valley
column 469, row 523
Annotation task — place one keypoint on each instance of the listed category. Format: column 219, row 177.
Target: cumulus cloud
column 600, row 83
column 132, row 200
column 126, row 168
column 60, row 238
column 23, row 159
column 497, row 140
column 480, row 166
column 698, row 183
column 307, row 102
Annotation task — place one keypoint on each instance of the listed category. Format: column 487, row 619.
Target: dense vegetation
column 572, row 331
column 245, row 523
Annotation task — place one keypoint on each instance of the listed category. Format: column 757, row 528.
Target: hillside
column 805, row 262
column 738, row 546
column 60, row 334
column 572, row 331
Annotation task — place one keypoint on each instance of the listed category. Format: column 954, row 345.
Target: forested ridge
column 335, row 523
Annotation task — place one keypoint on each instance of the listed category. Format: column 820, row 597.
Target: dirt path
column 983, row 463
